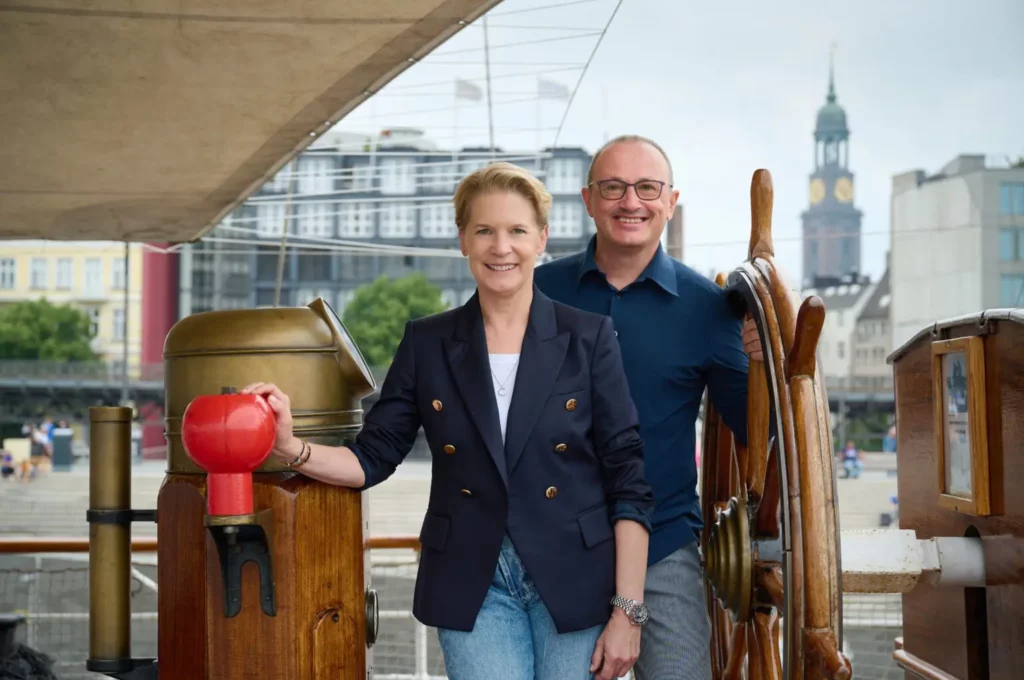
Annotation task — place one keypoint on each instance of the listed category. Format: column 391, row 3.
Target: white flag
column 467, row 90
column 549, row 89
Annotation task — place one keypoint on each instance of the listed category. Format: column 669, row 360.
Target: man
column 678, row 335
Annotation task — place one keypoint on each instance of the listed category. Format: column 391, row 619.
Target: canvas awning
column 150, row 121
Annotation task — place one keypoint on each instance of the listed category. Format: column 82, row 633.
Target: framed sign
column 961, row 427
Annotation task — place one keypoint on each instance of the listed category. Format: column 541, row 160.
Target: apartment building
column 91, row 275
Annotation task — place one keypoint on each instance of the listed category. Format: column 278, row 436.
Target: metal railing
column 46, row 580
column 77, row 371
column 54, row 599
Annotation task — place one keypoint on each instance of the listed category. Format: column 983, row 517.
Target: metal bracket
column 236, row 545
column 124, row 516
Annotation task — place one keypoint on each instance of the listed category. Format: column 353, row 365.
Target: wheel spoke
column 757, row 432
column 823, row 652
column 762, row 646
column 735, row 666
column 770, row 581
column 767, row 521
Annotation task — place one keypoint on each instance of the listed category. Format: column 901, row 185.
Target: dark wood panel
column 320, row 573
column 330, row 584
column 252, row 644
column 181, row 506
column 945, row 644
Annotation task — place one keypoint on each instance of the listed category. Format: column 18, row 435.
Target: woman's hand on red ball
column 286, row 445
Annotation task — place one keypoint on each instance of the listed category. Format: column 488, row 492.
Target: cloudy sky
column 729, row 87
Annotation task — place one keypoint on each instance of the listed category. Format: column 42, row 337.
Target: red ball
column 228, row 432
column 228, row 435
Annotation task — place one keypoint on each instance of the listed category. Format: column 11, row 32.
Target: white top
column 503, row 377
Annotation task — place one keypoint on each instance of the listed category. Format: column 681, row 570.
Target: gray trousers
column 676, row 642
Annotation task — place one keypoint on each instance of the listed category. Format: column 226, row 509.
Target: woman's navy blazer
column 571, row 464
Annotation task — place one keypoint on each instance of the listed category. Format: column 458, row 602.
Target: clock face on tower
column 844, row 190
column 817, row 191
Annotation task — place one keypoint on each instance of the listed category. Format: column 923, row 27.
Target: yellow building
column 87, row 274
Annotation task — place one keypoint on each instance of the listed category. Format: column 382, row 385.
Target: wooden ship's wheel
column 770, row 541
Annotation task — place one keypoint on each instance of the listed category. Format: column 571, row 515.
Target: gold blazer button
column 570, row 405
column 467, row 492
column 437, row 404
column 561, row 447
column 551, row 492
column 449, row 449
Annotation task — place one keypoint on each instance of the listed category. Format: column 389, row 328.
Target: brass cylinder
column 110, row 434
column 306, row 351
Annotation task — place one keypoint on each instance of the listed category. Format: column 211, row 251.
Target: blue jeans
column 514, row 637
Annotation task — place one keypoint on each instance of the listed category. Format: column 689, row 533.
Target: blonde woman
column 534, row 544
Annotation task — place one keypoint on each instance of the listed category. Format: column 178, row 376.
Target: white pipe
column 961, row 563
column 894, row 561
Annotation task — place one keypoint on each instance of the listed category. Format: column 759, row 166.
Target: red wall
column 160, row 289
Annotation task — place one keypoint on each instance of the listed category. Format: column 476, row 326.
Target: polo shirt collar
column 659, row 269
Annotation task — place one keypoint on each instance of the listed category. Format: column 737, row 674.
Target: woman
column 538, row 515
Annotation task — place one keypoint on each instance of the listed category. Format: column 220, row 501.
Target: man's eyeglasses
column 614, row 189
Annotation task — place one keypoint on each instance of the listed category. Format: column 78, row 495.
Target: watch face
column 640, row 614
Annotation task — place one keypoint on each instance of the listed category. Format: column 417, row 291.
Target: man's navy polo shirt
column 678, row 336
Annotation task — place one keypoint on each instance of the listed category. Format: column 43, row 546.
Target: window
column 304, row 296
column 314, row 267
column 7, row 270
column 566, row 219
column 119, row 330
column 362, row 177
column 437, row 220
column 397, row 176
column 841, row 350
column 471, row 165
column 117, row 277
column 314, row 176
column 1011, row 198
column 65, row 273
column 344, row 298
column 397, row 220
column 270, row 219
column 37, row 273
column 438, row 177
column 1011, row 290
column 94, row 321
column 280, row 181
column 94, row 276
column 564, row 175
column 1011, row 244
column 395, row 267
column 356, row 220
column 315, row 220
column 357, row 267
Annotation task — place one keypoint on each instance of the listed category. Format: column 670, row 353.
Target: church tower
column 831, row 223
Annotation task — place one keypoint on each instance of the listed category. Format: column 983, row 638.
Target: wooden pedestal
column 320, row 580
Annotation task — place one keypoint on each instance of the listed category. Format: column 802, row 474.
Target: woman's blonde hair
column 501, row 176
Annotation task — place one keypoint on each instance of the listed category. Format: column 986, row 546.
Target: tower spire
column 831, row 74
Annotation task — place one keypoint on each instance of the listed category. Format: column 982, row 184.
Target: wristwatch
column 636, row 611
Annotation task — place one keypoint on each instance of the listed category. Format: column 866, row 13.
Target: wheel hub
column 729, row 563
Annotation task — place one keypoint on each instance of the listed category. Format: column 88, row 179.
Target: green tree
column 378, row 312
column 39, row 329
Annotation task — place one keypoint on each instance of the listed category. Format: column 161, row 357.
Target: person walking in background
column 852, row 463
